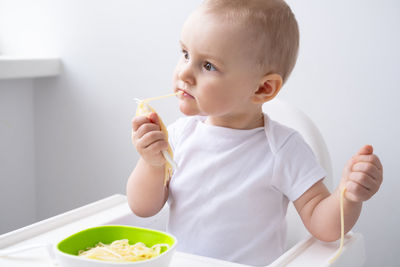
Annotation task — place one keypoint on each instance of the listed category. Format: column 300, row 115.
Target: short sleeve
column 296, row 168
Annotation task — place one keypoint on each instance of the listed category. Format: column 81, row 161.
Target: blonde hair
column 272, row 22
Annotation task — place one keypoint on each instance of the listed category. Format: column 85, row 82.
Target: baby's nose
column 185, row 74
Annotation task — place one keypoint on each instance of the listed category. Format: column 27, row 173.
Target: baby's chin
column 189, row 111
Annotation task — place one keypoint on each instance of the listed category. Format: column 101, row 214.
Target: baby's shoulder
column 281, row 137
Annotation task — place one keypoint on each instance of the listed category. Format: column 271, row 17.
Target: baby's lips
column 179, row 92
column 183, row 88
column 186, row 94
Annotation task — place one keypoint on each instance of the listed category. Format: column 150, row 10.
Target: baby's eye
column 209, row 67
column 185, row 54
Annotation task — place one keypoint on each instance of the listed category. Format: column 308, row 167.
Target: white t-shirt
column 229, row 196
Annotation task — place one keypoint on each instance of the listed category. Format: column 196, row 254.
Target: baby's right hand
column 148, row 139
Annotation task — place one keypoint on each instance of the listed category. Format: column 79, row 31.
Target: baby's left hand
column 362, row 175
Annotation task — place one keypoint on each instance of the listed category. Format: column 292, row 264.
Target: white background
column 65, row 141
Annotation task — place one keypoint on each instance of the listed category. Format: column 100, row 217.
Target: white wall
column 111, row 53
column 17, row 162
column 346, row 79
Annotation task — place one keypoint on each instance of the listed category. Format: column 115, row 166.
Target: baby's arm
column 320, row 210
column 146, row 192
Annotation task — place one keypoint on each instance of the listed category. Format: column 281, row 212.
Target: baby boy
column 238, row 169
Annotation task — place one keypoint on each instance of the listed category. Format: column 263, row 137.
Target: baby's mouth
column 182, row 87
column 184, row 93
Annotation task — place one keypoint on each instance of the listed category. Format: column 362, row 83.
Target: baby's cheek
column 210, row 97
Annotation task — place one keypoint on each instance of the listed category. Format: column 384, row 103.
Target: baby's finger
column 156, row 147
column 150, row 138
column 349, row 165
column 372, row 158
column 367, row 168
column 364, row 180
column 145, row 128
column 138, row 121
column 356, row 193
column 153, row 117
column 365, row 150
column 378, row 161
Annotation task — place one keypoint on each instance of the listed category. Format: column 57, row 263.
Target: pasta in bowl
column 113, row 245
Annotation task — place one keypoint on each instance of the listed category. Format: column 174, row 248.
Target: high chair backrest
column 292, row 117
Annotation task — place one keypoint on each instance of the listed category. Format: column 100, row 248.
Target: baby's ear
column 269, row 87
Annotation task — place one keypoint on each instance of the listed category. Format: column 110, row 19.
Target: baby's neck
column 242, row 122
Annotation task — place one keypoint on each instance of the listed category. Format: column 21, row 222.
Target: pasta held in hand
column 144, row 109
column 122, row 251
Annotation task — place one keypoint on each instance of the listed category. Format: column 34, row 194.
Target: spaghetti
column 339, row 251
column 144, row 109
column 122, row 251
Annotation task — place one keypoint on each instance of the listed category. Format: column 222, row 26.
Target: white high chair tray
column 115, row 210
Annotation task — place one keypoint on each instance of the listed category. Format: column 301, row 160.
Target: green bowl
column 67, row 249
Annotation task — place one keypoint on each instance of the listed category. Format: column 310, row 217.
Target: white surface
column 23, row 67
column 58, row 221
column 106, row 211
column 311, row 252
column 115, row 210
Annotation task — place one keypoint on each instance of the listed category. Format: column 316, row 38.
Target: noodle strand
column 339, row 251
column 121, row 251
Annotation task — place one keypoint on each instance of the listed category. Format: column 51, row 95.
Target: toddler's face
column 217, row 70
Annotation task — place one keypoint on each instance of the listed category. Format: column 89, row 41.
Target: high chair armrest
column 312, row 252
